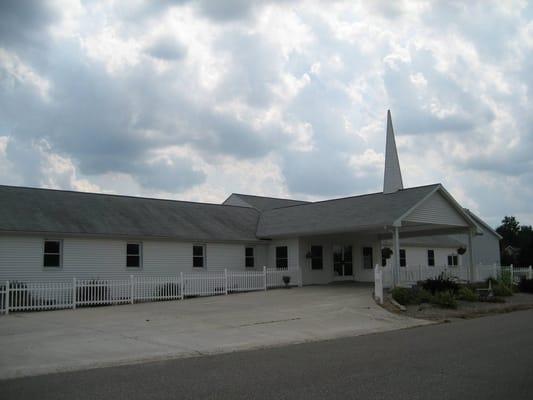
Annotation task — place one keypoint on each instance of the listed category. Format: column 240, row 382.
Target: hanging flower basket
column 461, row 250
column 386, row 252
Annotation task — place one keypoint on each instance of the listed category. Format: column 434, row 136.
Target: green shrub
column 441, row 283
column 501, row 289
column 526, row 285
column 421, row 295
column 445, row 299
column 402, row 295
column 467, row 294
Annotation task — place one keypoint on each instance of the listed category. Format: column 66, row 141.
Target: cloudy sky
column 197, row 99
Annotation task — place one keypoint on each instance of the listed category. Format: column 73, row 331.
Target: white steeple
column 392, row 181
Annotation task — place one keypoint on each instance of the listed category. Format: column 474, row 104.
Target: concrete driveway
column 44, row 342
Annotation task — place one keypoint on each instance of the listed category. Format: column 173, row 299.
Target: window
column 133, row 255
column 198, row 256
column 453, row 260
column 282, row 257
column 431, row 258
column 249, row 257
column 403, row 258
column 368, row 260
column 52, row 254
column 316, row 257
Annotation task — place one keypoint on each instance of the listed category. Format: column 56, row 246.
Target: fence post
column 74, row 293
column 182, row 286
column 7, row 297
column 265, row 276
column 530, row 272
column 132, row 289
column 225, row 281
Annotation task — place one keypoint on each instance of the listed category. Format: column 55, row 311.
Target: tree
column 509, row 230
column 517, row 236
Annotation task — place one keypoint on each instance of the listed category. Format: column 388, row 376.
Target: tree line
column 516, row 246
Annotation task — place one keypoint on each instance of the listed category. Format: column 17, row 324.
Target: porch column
column 396, row 253
column 471, row 268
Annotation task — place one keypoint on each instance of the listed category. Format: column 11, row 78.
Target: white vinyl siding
column 21, row 258
column 436, row 210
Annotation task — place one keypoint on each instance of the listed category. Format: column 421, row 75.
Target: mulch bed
column 465, row 309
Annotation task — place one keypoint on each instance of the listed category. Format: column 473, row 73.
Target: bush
column 467, row 294
column 402, row 295
column 526, row 285
column 445, row 299
column 502, row 290
column 441, row 283
column 421, row 295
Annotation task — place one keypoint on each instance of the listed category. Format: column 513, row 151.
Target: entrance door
column 342, row 262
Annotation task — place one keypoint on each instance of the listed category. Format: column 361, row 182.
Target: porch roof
column 375, row 211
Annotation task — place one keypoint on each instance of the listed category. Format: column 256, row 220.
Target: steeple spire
column 392, row 181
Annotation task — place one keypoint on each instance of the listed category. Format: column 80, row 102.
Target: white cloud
column 194, row 100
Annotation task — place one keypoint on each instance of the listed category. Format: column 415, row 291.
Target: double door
column 342, row 262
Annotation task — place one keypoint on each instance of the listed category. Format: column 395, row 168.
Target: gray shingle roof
column 429, row 241
column 340, row 215
column 262, row 203
column 55, row 211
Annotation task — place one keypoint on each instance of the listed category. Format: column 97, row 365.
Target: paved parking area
column 44, row 342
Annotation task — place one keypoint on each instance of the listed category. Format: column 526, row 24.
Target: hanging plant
column 461, row 250
column 386, row 252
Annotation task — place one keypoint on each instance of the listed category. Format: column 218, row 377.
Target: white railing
column 54, row 295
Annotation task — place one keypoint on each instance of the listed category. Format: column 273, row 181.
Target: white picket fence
column 483, row 272
column 414, row 273
column 54, row 295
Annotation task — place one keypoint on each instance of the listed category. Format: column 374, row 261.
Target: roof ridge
column 124, row 196
column 354, row 196
column 270, row 197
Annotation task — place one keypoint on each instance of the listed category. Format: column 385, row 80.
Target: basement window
column 249, row 260
column 133, row 255
column 403, row 258
column 198, row 256
column 431, row 258
column 52, row 253
column 317, row 261
column 282, row 257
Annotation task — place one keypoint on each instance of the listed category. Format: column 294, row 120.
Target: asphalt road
column 485, row 358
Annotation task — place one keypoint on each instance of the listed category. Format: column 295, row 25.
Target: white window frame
column 47, row 267
column 400, row 258
column 455, row 257
column 140, row 255
column 427, row 257
column 204, row 255
column 371, row 256
column 321, row 258
column 280, row 258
